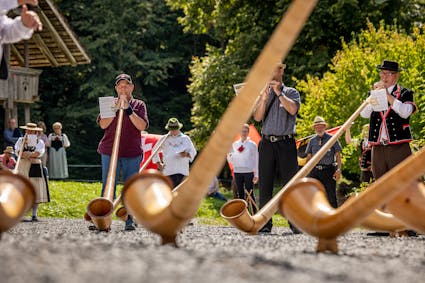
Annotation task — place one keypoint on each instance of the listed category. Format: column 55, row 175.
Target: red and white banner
column 148, row 143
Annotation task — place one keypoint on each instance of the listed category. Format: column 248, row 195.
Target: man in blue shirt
column 11, row 134
column 277, row 108
column 328, row 170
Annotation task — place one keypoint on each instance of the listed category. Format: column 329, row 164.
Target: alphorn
column 17, row 195
column 236, row 212
column 380, row 221
column 149, row 197
column 21, row 151
column 305, row 203
column 100, row 209
column 121, row 212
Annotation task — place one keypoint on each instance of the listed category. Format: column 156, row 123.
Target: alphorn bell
column 306, row 206
column 17, row 195
column 122, row 211
column 166, row 212
column 100, row 210
column 236, row 212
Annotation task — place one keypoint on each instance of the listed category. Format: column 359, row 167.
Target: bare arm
column 337, row 173
column 309, row 156
column 347, row 136
column 290, row 105
column 30, row 19
column 138, row 122
column 105, row 122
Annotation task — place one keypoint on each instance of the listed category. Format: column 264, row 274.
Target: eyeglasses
column 384, row 73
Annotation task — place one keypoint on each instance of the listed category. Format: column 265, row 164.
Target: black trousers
column 176, row 179
column 325, row 176
column 366, row 176
column 275, row 158
column 244, row 181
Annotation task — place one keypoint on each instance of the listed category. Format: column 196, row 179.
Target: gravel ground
column 63, row 250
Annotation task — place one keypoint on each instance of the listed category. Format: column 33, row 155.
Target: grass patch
column 69, row 200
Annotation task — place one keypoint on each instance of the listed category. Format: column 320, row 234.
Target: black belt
column 272, row 138
column 324, row 166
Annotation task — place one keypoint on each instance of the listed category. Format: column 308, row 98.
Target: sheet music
column 107, row 106
column 32, row 140
column 378, row 100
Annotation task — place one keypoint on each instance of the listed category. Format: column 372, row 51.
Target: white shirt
column 244, row 157
column 39, row 147
column 404, row 110
column 6, row 5
column 11, row 30
column 174, row 163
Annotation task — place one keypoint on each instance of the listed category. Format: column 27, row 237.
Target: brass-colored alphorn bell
column 17, row 195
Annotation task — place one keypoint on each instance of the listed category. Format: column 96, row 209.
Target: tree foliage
column 238, row 30
column 145, row 39
column 141, row 38
column 352, row 73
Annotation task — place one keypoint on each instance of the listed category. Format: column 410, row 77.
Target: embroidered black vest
column 398, row 128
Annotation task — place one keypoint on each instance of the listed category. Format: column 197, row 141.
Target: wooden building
column 56, row 45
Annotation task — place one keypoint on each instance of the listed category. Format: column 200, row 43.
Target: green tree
column 352, row 73
column 237, row 31
column 141, row 38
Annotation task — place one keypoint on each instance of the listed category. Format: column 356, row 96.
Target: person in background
column 58, row 142
column 328, row 169
column 42, row 135
column 277, row 108
column 214, row 190
column 177, row 152
column 12, row 133
column 30, row 164
column 244, row 158
column 135, row 120
column 14, row 30
column 365, row 159
column 6, row 159
column 389, row 131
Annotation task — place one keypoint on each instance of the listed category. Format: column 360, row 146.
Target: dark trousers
column 325, row 176
column 176, row 179
column 278, row 157
column 244, row 181
column 366, row 176
column 386, row 157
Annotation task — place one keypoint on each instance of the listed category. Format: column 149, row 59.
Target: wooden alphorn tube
column 380, row 221
column 21, row 151
column 100, row 209
column 306, row 206
column 236, row 212
column 17, row 195
column 167, row 212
